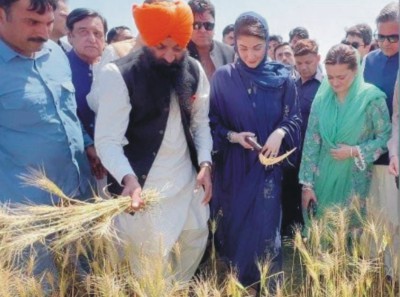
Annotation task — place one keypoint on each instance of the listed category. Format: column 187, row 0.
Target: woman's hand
column 240, row 138
column 307, row 195
column 273, row 143
column 394, row 165
column 344, row 152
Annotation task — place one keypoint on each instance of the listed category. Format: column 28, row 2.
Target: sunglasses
column 391, row 38
column 207, row 25
column 354, row 44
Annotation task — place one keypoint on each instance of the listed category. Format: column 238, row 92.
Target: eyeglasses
column 354, row 44
column 391, row 38
column 207, row 25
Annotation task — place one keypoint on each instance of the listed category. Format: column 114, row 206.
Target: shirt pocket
column 67, row 98
column 22, row 108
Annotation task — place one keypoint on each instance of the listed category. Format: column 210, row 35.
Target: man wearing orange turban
column 161, row 20
column 152, row 132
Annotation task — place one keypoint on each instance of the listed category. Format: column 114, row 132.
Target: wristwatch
column 206, row 164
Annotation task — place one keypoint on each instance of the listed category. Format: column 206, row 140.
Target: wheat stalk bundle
column 68, row 222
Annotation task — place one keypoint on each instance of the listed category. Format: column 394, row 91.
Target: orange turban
column 160, row 20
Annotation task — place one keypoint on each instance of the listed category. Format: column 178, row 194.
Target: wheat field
column 338, row 259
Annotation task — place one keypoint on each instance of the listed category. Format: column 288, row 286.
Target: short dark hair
column 304, row 47
column 281, row 45
column 79, row 14
column 228, row 29
column 39, row 6
column 363, row 31
column 390, row 13
column 114, row 32
column 342, row 54
column 201, row 6
column 298, row 31
column 276, row 38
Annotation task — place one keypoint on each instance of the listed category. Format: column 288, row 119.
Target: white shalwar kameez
column 175, row 229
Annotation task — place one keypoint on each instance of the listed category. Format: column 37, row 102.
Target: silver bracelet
column 307, row 188
column 229, row 136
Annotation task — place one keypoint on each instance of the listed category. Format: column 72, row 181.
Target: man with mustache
column 381, row 68
column 152, row 132
column 39, row 127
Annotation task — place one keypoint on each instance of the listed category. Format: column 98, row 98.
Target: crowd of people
column 176, row 110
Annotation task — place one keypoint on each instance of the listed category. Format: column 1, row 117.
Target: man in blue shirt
column 307, row 60
column 381, row 67
column 39, row 127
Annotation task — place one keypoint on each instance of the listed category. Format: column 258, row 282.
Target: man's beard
column 165, row 77
column 164, row 70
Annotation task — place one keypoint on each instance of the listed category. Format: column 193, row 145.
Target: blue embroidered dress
column 247, row 195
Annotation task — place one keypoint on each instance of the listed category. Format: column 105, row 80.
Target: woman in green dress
column 347, row 131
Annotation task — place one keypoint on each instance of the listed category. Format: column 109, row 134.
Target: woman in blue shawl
column 251, row 97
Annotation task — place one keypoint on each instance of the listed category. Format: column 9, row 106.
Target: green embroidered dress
column 361, row 120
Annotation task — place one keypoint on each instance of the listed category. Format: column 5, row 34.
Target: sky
column 325, row 20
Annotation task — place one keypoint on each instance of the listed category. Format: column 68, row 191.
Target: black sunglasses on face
column 207, row 25
column 391, row 38
column 354, row 44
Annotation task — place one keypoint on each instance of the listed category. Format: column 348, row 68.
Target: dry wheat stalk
column 23, row 225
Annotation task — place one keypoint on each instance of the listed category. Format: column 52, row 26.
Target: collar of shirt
column 318, row 76
column 74, row 58
column 394, row 57
column 378, row 55
column 7, row 53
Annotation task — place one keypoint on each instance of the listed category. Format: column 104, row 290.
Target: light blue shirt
column 39, row 127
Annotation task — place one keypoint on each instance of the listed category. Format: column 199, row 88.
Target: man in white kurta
column 175, row 229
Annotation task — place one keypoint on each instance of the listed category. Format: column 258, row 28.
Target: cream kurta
column 180, row 208
column 179, row 217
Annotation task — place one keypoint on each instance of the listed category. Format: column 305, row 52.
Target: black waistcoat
column 150, row 95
